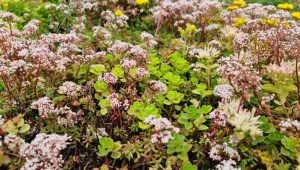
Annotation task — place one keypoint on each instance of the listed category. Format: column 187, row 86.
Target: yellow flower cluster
column 239, row 21
column 296, row 15
column 285, row 6
column 118, row 13
column 237, row 4
column 273, row 22
column 141, row 2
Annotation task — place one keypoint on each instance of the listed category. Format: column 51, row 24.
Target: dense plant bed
column 139, row 84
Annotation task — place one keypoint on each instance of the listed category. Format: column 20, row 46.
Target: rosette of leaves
column 173, row 81
column 173, row 97
column 16, row 125
column 142, row 111
column 201, row 89
column 282, row 91
column 194, row 117
column 180, row 64
column 177, row 145
column 290, row 145
column 108, row 146
column 97, row 69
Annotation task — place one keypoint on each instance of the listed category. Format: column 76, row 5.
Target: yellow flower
column 239, row 22
column 141, row 2
column 240, row 3
column 233, row 7
column 273, row 22
column 191, row 27
column 118, row 13
column 296, row 15
column 285, row 6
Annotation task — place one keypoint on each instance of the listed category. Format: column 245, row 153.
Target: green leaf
column 176, row 144
column 104, row 167
column 188, row 166
column 205, row 109
column 24, row 128
column 118, row 71
column 97, row 69
column 117, row 146
column 103, row 111
column 100, row 86
column 104, row 103
column 143, row 125
column 105, row 146
column 116, row 155
column 174, row 96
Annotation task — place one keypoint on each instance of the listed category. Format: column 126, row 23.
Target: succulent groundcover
column 149, row 84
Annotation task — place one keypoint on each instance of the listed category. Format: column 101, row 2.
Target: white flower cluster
column 67, row 117
column 241, row 76
column 44, row 152
column 227, row 165
column 127, row 63
column 148, row 39
column 157, row 87
column 69, row 88
column 31, row 28
column 113, row 21
column 13, row 142
column 109, row 78
column 8, row 16
column 241, row 41
column 140, row 73
column 246, row 122
column 44, row 105
column 286, row 124
column 113, row 98
column 206, row 52
column 224, row 91
column 221, row 152
column 220, row 118
column 101, row 132
column 180, row 12
column 163, row 129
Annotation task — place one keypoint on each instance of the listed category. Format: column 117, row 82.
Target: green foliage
column 281, row 90
column 202, row 91
column 179, row 63
column 173, row 97
column 16, row 125
column 177, row 144
column 289, row 148
column 193, row 116
column 107, row 145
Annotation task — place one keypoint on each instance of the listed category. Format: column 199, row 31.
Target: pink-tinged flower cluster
column 44, row 152
column 109, row 78
column 141, row 73
column 241, row 76
column 127, row 63
column 148, row 39
column 284, row 68
column 67, row 117
column 220, row 117
column 163, row 128
column 157, row 87
column 221, row 152
column 69, row 88
column 113, row 98
column 289, row 124
column 44, row 106
column 225, row 92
